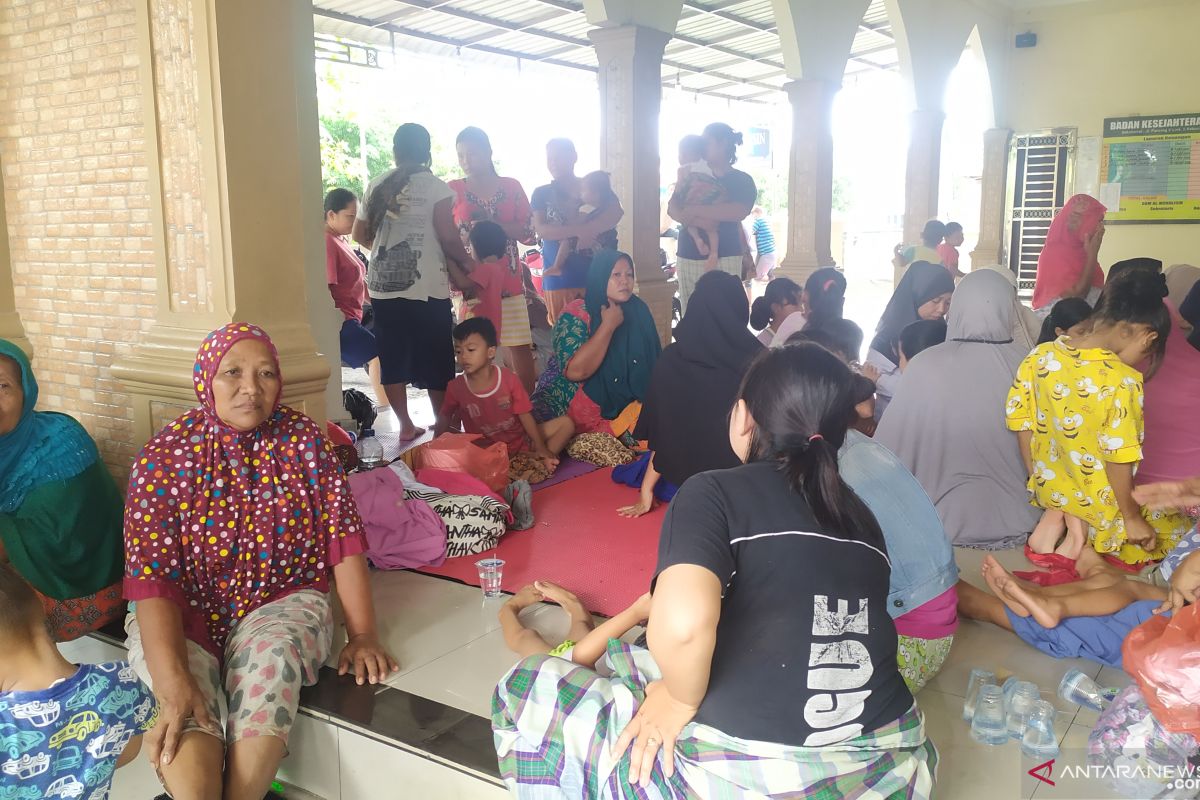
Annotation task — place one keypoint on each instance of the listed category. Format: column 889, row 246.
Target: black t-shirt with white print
column 806, row 651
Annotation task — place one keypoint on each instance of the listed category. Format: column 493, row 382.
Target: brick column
column 990, row 248
column 922, row 173
column 630, row 59
column 10, row 320
column 231, row 137
column 810, row 179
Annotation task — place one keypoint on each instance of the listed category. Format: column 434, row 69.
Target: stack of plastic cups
column 1039, row 740
column 1018, row 706
column 1078, row 688
column 979, row 677
column 988, row 725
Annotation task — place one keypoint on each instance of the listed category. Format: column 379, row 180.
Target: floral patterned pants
column 273, row 651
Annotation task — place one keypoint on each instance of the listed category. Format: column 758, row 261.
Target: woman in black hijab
column 923, row 293
column 694, row 384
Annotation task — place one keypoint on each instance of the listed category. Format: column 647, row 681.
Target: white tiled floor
column 448, row 641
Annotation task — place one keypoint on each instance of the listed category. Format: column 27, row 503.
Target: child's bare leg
column 1048, row 531
column 714, row 246
column 521, row 640
column 977, row 604
column 1076, row 539
column 697, row 235
column 521, row 356
column 1091, row 563
column 557, row 432
column 1048, row 611
column 581, row 621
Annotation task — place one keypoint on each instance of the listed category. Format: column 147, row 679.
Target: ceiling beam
column 514, row 54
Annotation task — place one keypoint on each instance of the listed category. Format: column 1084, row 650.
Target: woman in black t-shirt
column 774, row 657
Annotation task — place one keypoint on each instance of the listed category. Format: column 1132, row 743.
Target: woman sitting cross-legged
column 605, row 347
column 60, row 512
column 736, row 698
column 693, row 385
column 237, row 516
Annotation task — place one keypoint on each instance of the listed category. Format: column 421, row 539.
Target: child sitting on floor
column 597, row 195
column 697, row 186
column 64, row 729
column 586, row 642
column 1076, row 405
column 489, row 400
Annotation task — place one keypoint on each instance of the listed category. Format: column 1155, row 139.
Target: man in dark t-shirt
column 805, row 651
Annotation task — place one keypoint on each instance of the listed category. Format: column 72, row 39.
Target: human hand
column 1175, row 494
column 179, row 700
column 870, row 372
column 641, row 606
column 636, row 510
column 1092, row 242
column 612, row 315
column 371, row 662
column 1139, row 532
column 549, row 459
column 657, row 724
column 1185, row 585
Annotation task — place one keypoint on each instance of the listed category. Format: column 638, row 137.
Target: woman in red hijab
column 1067, row 266
column 237, row 516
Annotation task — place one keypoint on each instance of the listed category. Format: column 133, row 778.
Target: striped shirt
column 764, row 240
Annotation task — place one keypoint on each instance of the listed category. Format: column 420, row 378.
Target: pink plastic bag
column 475, row 455
column 1163, row 655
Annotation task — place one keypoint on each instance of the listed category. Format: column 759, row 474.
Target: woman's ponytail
column 801, row 398
column 760, row 313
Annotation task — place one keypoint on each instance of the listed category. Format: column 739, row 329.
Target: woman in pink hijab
column 237, row 520
column 1067, row 266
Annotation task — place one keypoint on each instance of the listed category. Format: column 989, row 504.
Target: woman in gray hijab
column 946, row 421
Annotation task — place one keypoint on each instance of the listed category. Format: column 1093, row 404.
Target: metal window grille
column 1040, row 176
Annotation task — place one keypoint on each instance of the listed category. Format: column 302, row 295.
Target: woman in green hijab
column 605, row 346
column 60, row 512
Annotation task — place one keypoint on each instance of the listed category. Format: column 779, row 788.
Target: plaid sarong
column 555, row 724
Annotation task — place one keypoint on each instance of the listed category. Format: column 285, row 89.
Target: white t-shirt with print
column 406, row 258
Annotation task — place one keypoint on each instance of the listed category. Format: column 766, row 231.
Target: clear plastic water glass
column 1018, row 707
column 979, row 677
column 1039, row 740
column 988, row 725
column 491, row 573
column 1078, row 688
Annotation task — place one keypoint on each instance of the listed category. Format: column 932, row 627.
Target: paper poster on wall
column 1087, row 166
column 1109, row 194
column 1155, row 161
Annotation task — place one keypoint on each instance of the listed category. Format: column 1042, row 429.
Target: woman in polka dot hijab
column 237, row 516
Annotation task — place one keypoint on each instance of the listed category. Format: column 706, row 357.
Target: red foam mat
column 579, row 541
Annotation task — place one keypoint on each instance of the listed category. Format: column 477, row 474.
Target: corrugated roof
column 725, row 49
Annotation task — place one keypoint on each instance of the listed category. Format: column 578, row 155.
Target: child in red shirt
column 491, row 401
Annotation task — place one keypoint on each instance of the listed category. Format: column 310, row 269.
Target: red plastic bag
column 475, row 455
column 1163, row 656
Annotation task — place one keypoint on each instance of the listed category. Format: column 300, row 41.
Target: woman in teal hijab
column 60, row 511
column 605, row 347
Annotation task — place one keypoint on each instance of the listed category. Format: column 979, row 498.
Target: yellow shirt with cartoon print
column 1084, row 407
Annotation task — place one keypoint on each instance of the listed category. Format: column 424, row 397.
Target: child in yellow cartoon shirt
column 1076, row 405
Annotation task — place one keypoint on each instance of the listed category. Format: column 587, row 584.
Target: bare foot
column 527, row 596
column 565, row 598
column 408, row 433
column 1044, row 610
column 1047, row 532
column 1076, row 539
column 997, row 580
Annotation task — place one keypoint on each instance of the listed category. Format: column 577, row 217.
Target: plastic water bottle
column 370, row 451
column 988, row 725
column 1039, row 740
column 1019, row 706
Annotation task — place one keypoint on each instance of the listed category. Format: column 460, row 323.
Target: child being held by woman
column 1076, row 406
column 697, row 186
column 596, row 192
column 586, row 642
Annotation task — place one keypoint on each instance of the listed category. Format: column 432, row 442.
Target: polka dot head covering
column 221, row 521
column 213, row 350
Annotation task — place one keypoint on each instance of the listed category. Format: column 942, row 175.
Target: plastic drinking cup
column 1018, row 707
column 979, row 677
column 491, row 572
column 1078, row 688
column 1039, row 740
column 988, row 725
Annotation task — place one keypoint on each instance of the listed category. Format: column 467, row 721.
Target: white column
column 810, row 178
column 630, row 58
column 922, row 172
column 10, row 320
column 989, row 250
